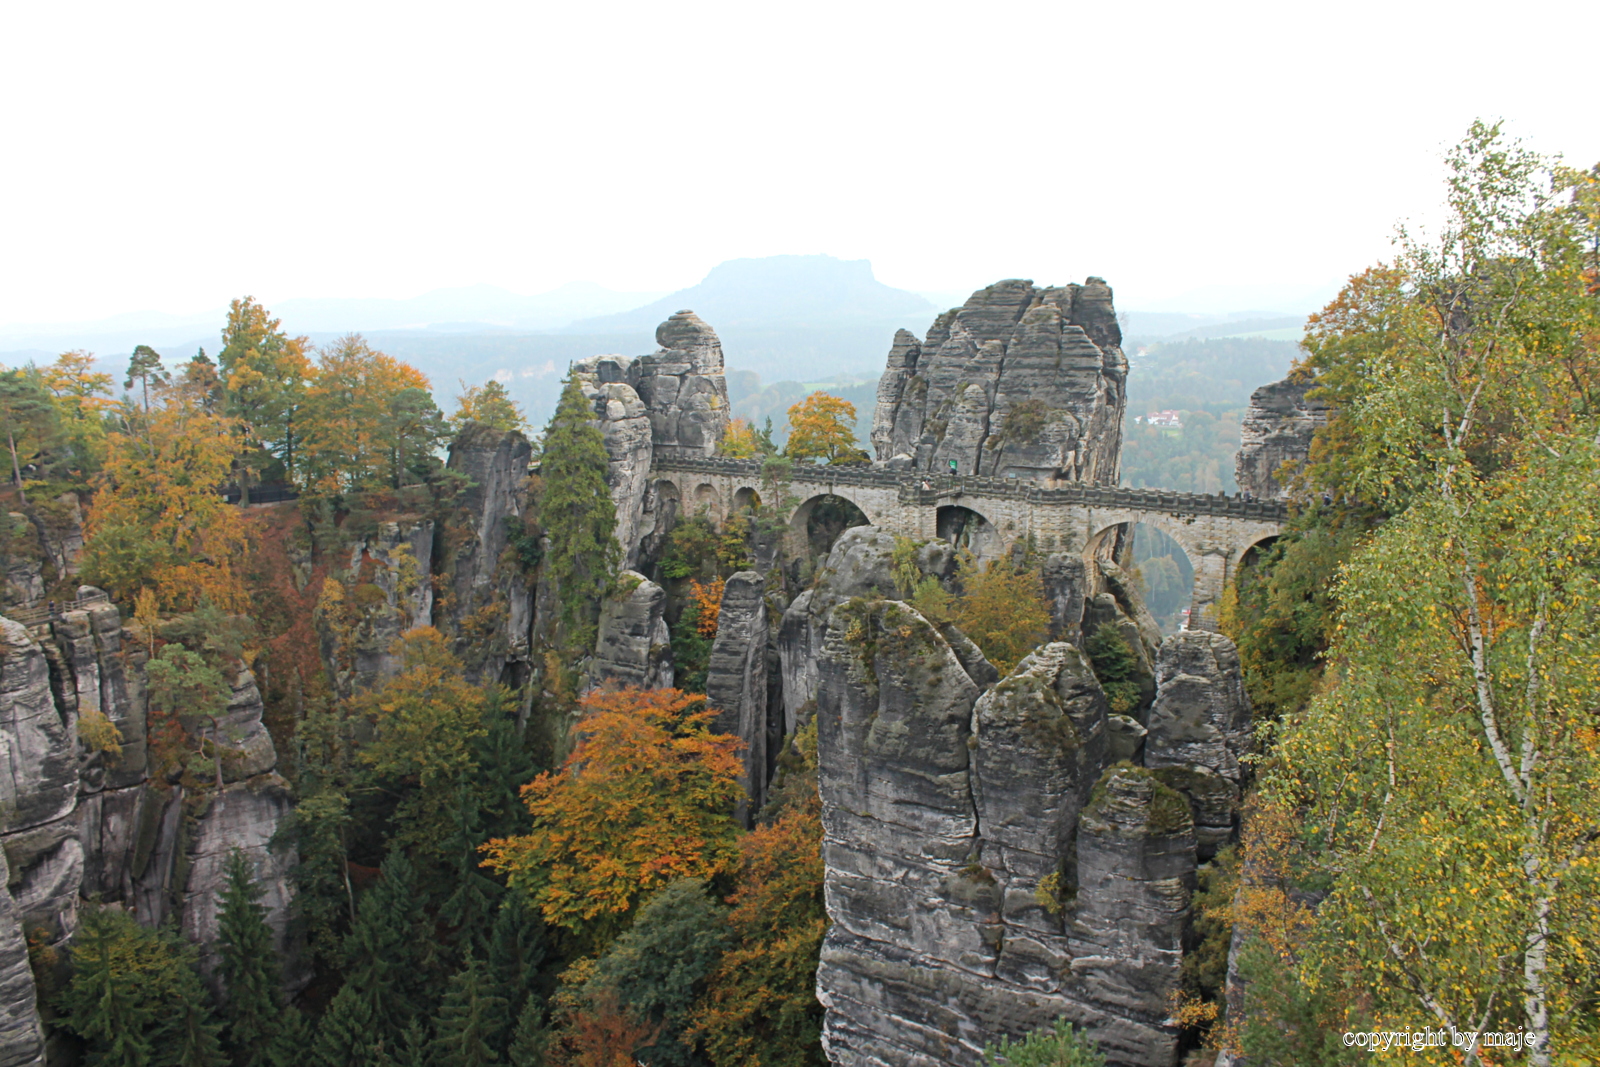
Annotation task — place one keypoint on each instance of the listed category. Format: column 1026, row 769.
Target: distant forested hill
column 1209, row 383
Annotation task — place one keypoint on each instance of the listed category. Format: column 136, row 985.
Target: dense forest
column 495, row 868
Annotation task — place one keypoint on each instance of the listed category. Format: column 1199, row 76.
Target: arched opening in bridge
column 1254, row 566
column 1164, row 574
column 1161, row 569
column 708, row 503
column 824, row 518
column 966, row 529
column 746, row 498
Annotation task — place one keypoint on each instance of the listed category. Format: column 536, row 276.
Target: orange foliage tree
column 647, row 796
column 159, row 521
column 760, row 1005
column 708, row 598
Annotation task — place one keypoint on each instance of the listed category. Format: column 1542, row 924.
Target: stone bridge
column 991, row 514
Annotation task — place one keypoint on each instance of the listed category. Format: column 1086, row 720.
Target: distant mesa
column 774, row 291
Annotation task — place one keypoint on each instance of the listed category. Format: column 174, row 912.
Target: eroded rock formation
column 1277, row 429
column 736, row 679
column 673, row 402
column 1020, row 381
column 986, row 872
column 80, row 820
column 487, row 606
column 633, row 646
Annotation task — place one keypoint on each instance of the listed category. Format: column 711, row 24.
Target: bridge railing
column 940, row 487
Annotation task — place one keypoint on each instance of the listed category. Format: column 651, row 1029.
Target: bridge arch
column 970, row 529
column 746, row 496
column 708, row 502
column 819, row 520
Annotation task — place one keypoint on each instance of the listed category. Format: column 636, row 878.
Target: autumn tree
column 1441, row 789
column 368, row 421
column 159, row 520
column 82, row 397
column 264, row 373
column 1002, row 608
column 577, row 510
column 490, row 405
column 647, row 796
column 823, row 427
column 760, row 1003
column 426, row 723
column 739, row 441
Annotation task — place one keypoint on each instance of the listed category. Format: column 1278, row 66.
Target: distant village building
column 1164, row 419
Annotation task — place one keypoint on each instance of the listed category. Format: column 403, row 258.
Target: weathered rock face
column 634, row 646
column 683, row 387
column 79, row 822
column 384, row 591
column 671, row 403
column 1064, row 587
column 625, row 425
column 1277, row 429
column 489, row 607
column 957, row 817
column 1020, row 381
column 1199, row 729
column 244, row 816
column 736, row 680
column 1119, row 606
column 1136, row 863
column 21, row 1036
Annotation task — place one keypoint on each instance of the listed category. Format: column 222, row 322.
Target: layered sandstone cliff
column 1277, row 430
column 84, row 821
column 1020, row 381
column 990, row 865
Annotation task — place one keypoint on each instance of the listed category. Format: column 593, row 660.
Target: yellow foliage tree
column 1003, row 610
column 367, row 417
column 823, row 427
column 738, row 441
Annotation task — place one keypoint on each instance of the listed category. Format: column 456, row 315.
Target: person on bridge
column 953, row 469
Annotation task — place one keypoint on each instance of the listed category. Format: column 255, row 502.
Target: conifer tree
column 657, row 969
column 577, row 509
column 386, row 949
column 472, row 1020
column 531, row 1038
column 293, row 1041
column 517, row 949
column 106, row 1004
column 251, row 1014
column 347, row 1035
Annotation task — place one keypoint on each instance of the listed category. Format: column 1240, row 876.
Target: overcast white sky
column 170, row 156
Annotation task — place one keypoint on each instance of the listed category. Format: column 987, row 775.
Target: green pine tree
column 472, row 1020
column 387, row 949
column 577, row 511
column 107, row 1002
column 190, row 1037
column 657, row 969
column 473, row 900
column 517, row 950
column 293, row 1041
column 347, row 1034
column 249, row 968
column 532, row 1037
